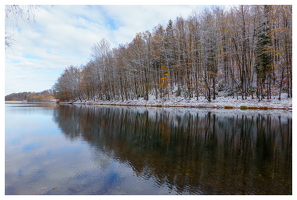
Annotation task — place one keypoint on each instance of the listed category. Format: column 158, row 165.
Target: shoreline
column 181, row 106
column 226, row 103
column 13, row 102
column 21, row 102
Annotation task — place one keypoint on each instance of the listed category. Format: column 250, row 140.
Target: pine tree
column 263, row 64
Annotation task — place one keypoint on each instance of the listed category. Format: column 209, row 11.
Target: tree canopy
column 243, row 51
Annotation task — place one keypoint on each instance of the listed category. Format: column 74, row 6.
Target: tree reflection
column 198, row 152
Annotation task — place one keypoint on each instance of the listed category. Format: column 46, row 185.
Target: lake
column 74, row 150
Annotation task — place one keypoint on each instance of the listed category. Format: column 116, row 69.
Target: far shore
column 21, row 102
column 9, row 102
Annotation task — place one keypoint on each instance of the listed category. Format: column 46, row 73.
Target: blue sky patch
column 16, row 61
column 30, row 56
column 112, row 24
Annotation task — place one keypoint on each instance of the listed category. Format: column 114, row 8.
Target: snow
column 219, row 103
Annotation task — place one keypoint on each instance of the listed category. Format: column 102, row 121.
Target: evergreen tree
column 263, row 64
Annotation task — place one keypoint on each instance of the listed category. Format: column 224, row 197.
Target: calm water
column 53, row 149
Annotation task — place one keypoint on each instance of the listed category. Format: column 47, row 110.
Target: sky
column 63, row 35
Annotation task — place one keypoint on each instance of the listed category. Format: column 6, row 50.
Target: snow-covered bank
column 219, row 102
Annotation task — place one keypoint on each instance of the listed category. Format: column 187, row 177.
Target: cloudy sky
column 64, row 35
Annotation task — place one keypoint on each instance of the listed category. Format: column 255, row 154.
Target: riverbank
column 219, row 102
column 22, row 102
column 13, row 102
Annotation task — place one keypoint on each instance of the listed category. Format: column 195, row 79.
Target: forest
column 243, row 51
column 43, row 96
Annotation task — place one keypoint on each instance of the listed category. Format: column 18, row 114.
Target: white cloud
column 133, row 19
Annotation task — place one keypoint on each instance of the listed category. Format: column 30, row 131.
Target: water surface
column 52, row 149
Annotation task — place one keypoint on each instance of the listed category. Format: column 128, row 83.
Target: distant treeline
column 245, row 50
column 43, row 96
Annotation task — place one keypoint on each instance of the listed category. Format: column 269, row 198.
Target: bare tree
column 15, row 13
column 213, row 51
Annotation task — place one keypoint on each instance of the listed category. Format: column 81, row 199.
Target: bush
column 243, row 107
column 229, row 91
column 221, row 87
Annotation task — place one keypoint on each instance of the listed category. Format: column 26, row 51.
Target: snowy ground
column 219, row 102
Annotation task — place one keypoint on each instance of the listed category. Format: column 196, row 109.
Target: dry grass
column 13, row 101
column 228, row 107
column 253, row 108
